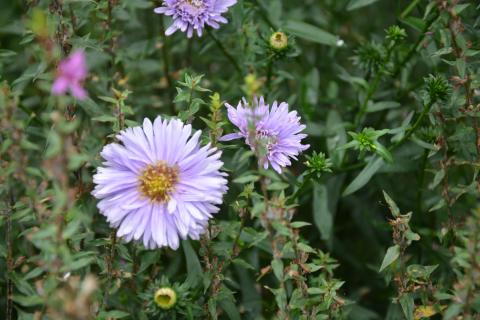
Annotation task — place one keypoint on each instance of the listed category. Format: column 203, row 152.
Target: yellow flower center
column 165, row 298
column 158, row 181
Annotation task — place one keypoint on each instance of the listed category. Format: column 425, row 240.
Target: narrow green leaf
column 277, row 267
column 246, row 179
column 391, row 205
column 364, row 176
column 356, row 4
column 322, row 216
column 194, row 268
column 309, row 32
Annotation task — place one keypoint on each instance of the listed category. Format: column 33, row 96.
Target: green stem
column 417, row 44
column 166, row 68
column 421, row 180
column 305, row 182
column 10, row 263
column 269, row 74
column 414, row 127
column 373, row 88
column 264, row 15
column 225, row 52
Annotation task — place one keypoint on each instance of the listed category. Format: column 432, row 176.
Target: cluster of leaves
column 391, row 103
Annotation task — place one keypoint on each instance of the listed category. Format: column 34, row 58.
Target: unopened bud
column 165, row 298
column 279, row 41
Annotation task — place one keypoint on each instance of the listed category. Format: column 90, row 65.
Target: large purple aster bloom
column 193, row 15
column 159, row 184
column 272, row 133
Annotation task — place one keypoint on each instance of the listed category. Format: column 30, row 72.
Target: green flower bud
column 279, row 41
column 437, row 88
column 165, row 298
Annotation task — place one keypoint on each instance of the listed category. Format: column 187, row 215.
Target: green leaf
column 299, row 224
column 391, row 205
column 277, row 267
column 108, row 99
column 417, row 271
column 336, row 136
column 408, row 306
column 356, row 4
column 312, row 33
column 322, row 216
column 392, row 254
column 364, row 176
column 28, row 301
column 230, row 309
column 246, row 179
column 194, row 268
column 305, row 247
column 242, row 263
column 114, row 314
column 105, row 118
column 277, row 186
column 383, row 105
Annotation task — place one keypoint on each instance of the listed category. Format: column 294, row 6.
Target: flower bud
column 165, row 298
column 279, row 41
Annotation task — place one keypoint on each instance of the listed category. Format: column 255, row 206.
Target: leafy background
column 378, row 220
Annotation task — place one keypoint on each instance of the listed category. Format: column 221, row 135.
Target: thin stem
column 225, row 52
column 166, row 68
column 269, row 74
column 416, row 46
column 409, row 9
column 373, row 88
column 305, row 182
column 10, row 263
column 421, row 179
column 414, row 127
column 264, row 15
column 110, row 258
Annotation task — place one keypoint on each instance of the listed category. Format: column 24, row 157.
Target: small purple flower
column 272, row 133
column 159, row 184
column 71, row 73
column 190, row 15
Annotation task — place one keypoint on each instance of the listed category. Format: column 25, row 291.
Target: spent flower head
column 159, row 184
column 194, row 15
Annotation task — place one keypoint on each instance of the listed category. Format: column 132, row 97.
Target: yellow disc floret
column 158, row 181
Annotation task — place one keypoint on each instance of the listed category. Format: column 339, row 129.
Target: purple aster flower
column 190, row 15
column 71, row 73
column 272, row 133
column 159, row 184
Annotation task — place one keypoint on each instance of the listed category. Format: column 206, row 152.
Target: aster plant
column 159, row 185
column 194, row 15
column 273, row 133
